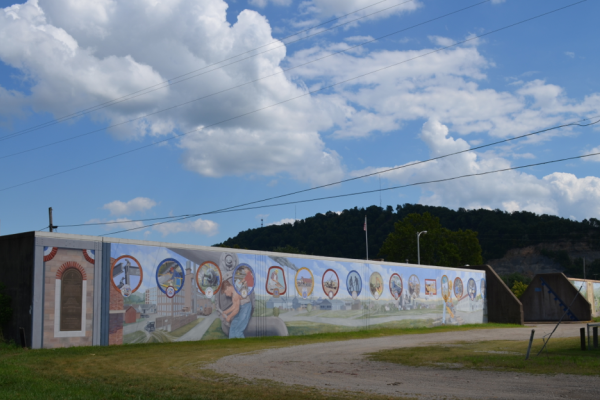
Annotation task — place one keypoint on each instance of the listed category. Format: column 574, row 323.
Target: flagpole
column 366, row 238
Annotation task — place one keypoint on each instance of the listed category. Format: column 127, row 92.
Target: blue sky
column 59, row 57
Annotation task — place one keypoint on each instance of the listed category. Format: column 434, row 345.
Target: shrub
column 519, row 288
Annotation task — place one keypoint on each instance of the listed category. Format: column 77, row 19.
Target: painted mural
column 596, row 304
column 582, row 286
column 176, row 294
column 590, row 290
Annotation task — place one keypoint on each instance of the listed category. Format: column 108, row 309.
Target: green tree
column 5, row 310
column 288, row 249
column 519, row 288
column 440, row 246
column 510, row 279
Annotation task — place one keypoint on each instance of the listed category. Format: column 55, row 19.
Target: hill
column 512, row 242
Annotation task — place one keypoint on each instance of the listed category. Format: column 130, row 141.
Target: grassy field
column 561, row 356
column 163, row 370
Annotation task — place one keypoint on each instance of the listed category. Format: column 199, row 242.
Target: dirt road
column 343, row 366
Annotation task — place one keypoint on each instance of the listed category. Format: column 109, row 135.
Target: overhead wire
column 282, row 71
column 297, row 97
column 365, row 191
column 577, row 123
column 179, row 79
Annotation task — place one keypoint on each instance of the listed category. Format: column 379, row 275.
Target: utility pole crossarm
column 51, row 225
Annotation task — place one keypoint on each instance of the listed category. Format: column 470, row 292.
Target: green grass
column 164, row 370
column 561, row 356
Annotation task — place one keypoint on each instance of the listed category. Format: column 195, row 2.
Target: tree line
column 341, row 235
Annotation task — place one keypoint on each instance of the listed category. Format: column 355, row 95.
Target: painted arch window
column 70, row 301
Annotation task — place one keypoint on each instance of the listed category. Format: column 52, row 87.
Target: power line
column 365, row 191
column 293, row 98
column 185, row 77
column 349, row 179
column 282, row 71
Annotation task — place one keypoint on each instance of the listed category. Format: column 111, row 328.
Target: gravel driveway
column 343, row 366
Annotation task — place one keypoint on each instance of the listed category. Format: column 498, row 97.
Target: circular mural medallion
column 330, row 283
column 127, row 275
column 414, row 286
column 243, row 280
column 458, row 288
column 396, row 286
column 445, row 288
column 472, row 289
column 170, row 273
column 376, row 285
column 276, row 285
column 208, row 276
column 305, row 282
column 49, row 253
column 228, row 261
column 482, row 288
column 354, row 284
column 170, row 292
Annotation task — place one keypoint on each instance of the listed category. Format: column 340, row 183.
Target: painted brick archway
column 70, row 264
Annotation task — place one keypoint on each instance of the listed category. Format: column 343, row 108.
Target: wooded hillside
column 342, row 235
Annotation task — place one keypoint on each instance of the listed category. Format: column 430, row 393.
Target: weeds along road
column 343, row 366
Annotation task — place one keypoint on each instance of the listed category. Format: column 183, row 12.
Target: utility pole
column 366, row 238
column 51, row 226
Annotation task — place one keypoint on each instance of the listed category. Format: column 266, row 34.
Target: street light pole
column 418, row 247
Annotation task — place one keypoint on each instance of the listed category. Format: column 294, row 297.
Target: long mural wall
column 160, row 294
column 169, row 294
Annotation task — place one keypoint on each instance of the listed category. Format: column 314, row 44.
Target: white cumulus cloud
column 118, row 207
column 283, row 221
column 558, row 193
column 205, row 227
column 595, row 150
column 443, row 86
column 74, row 53
column 263, row 3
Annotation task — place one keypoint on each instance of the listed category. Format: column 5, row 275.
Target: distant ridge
column 342, row 235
